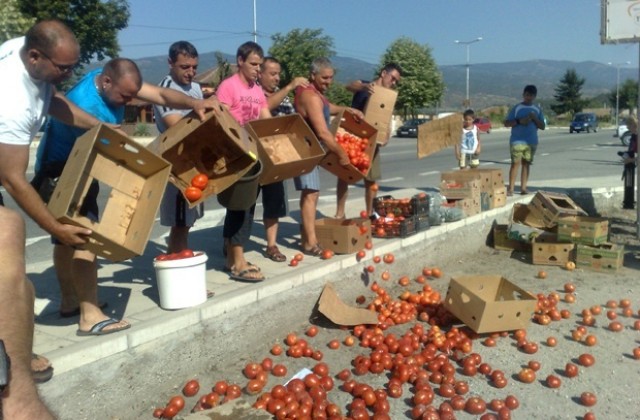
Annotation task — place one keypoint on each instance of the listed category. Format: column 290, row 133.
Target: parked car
column 410, row 127
column 584, row 121
column 483, row 124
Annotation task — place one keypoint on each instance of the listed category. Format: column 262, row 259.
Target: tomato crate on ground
column 418, row 205
column 395, row 227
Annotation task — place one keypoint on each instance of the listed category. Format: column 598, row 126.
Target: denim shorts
column 310, row 181
column 175, row 211
column 89, row 208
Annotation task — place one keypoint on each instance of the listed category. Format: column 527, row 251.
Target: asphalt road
column 560, row 155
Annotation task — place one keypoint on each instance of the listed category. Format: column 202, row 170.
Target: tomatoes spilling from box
column 194, row 191
column 356, row 149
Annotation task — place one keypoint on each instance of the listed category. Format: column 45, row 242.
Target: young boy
column 468, row 150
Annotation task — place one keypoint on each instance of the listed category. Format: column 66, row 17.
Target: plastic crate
column 406, row 207
column 395, row 228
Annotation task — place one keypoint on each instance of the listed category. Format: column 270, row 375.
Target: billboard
column 620, row 21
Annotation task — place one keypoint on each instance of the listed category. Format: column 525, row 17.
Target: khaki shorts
column 470, row 159
column 375, row 172
column 522, row 152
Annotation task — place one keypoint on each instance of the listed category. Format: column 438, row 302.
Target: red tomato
column 200, row 181
column 185, row 253
column 162, row 257
column 191, row 388
column 170, row 412
column 193, row 194
column 326, row 254
column 363, row 214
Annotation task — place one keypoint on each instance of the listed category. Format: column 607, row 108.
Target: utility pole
column 467, row 102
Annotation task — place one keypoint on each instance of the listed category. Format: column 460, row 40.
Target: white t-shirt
column 469, row 140
column 24, row 102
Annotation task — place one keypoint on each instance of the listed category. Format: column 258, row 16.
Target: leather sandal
column 274, row 254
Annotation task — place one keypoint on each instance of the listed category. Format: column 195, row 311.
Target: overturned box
column 489, row 303
column 287, row 147
column 502, row 241
column 552, row 206
column 348, row 122
column 551, row 253
column 524, row 223
column 343, row 236
column 217, row 147
column 583, row 230
column 136, row 178
column 379, row 111
column 607, row 257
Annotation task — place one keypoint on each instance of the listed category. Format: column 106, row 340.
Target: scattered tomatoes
column 326, row 254
column 191, row 388
column 193, row 194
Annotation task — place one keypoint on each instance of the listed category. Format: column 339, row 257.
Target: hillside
column 490, row 83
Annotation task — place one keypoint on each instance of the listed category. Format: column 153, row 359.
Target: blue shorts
column 89, row 208
column 175, row 211
column 310, row 181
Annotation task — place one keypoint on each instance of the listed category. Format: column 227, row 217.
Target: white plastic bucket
column 182, row 283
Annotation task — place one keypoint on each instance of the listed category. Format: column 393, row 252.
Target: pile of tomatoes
column 392, row 226
column 185, row 253
column 356, row 149
column 198, row 184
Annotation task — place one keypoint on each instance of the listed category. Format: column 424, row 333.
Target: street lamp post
column 467, row 44
column 618, row 89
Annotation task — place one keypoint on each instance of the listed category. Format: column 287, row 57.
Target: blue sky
column 512, row 30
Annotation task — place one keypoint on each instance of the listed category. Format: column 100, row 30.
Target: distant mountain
column 489, row 83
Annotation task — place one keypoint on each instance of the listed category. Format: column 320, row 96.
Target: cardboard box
column 551, row 206
column 502, row 241
column 489, row 179
column 137, row 179
column 379, row 111
column 551, row 253
column 218, row 147
column 583, row 230
column 343, row 236
column 469, row 206
column 287, row 147
column 458, row 190
column 489, row 303
column 348, row 122
column 439, row 134
column 498, row 197
column 606, row 258
column 524, row 224
column 338, row 312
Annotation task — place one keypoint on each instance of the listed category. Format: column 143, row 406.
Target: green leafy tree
column 297, row 49
column 95, row 22
column 568, row 94
column 422, row 83
column 12, row 22
column 338, row 94
column 627, row 95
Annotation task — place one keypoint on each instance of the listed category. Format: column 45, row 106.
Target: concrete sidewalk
column 130, row 287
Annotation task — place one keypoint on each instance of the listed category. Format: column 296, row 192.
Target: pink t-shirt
column 244, row 101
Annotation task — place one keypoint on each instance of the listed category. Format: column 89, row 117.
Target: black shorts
column 274, row 204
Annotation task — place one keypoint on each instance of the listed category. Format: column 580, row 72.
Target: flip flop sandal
column 99, row 328
column 316, row 251
column 41, row 376
column 76, row 312
column 230, row 269
column 274, row 254
column 245, row 275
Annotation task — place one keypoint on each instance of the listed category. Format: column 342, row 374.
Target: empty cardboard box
column 347, row 121
column 502, row 241
column 379, row 110
column 137, row 179
column 552, row 206
column 287, row 147
column 524, row 223
column 218, row 147
column 489, row 303
column 343, row 236
column 606, row 258
column 488, row 179
column 551, row 253
column 583, row 230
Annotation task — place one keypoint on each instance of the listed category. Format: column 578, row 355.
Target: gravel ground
column 131, row 385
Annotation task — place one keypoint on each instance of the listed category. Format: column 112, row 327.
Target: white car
column 623, row 134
